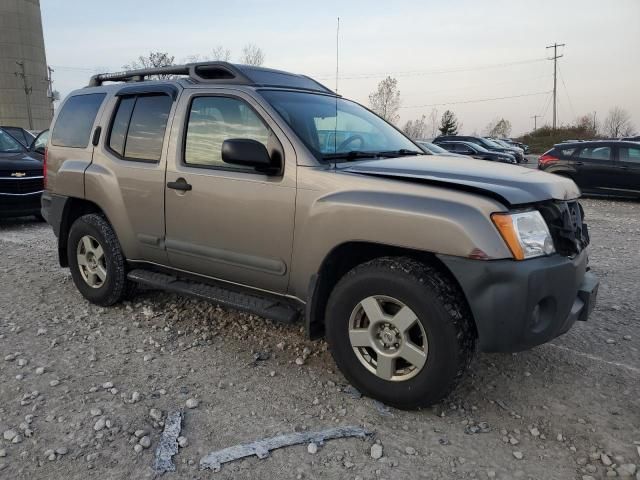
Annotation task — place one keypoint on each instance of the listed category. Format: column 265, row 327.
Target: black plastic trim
column 144, row 89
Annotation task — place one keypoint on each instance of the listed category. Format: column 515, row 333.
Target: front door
column 233, row 222
column 629, row 164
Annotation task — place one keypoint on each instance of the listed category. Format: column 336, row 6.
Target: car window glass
column 596, row 153
column 8, row 144
column 18, row 134
column 41, row 141
column 121, row 124
column 567, row 152
column 75, row 120
column 212, row 120
column 147, row 127
column 629, row 154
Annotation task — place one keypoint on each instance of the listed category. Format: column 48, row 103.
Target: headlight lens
column 526, row 234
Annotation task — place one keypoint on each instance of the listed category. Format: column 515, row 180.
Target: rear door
column 629, row 164
column 596, row 170
column 127, row 176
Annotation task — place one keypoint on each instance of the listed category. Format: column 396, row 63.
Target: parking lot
column 79, row 382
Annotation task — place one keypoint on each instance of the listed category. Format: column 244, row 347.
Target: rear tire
column 423, row 325
column 97, row 265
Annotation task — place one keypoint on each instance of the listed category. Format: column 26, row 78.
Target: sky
column 466, row 56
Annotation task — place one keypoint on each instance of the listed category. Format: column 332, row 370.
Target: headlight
column 526, row 234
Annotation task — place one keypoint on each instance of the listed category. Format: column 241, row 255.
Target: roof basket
column 217, row 72
column 205, row 72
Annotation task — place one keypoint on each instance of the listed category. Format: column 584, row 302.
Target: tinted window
column 75, row 121
column 596, row 153
column 566, row 152
column 120, row 125
column 629, row 154
column 41, row 140
column 8, row 144
column 212, row 120
column 146, row 128
column 18, row 134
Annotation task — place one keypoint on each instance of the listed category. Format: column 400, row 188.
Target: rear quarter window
column 566, row 152
column 75, row 120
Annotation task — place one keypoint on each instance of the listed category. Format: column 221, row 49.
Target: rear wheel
column 400, row 331
column 96, row 261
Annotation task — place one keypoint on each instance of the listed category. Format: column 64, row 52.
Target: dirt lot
column 76, row 382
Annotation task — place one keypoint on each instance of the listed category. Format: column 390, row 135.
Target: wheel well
column 74, row 209
column 341, row 260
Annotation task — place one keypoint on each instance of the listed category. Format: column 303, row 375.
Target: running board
column 262, row 306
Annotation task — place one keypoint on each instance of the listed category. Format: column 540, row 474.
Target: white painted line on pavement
column 593, row 357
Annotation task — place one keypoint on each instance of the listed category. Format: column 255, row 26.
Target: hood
column 510, row 184
column 22, row 161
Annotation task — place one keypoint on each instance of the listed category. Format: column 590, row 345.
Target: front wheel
column 96, row 261
column 400, row 331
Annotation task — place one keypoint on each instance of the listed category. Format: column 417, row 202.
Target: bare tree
column 618, row 123
column 500, row 128
column 416, row 129
column 252, row 55
column 433, row 122
column 588, row 124
column 222, row 54
column 153, row 60
column 385, row 101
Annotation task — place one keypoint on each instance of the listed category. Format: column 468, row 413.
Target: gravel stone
column 191, row 403
column 312, row 448
column 518, row 455
column 100, row 424
column 145, row 441
column 376, row 451
column 183, row 442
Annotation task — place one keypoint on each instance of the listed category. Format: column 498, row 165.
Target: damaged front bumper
column 520, row 304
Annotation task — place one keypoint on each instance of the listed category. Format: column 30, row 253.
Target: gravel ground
column 84, row 390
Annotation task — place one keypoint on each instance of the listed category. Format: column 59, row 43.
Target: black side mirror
column 249, row 153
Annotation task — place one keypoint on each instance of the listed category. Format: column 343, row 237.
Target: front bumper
column 19, row 205
column 520, row 304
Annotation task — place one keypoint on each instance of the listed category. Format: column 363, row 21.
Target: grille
column 22, row 186
column 566, row 224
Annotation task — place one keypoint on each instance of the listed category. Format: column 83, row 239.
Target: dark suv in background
column 476, row 151
column 605, row 167
column 483, row 142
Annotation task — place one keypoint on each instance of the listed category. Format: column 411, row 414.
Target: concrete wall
column 21, row 39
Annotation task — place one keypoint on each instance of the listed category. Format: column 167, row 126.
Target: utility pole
column 49, row 80
column 555, row 77
column 595, row 129
column 535, row 121
column 27, row 91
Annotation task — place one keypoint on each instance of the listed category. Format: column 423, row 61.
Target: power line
column 566, row 91
column 476, row 100
column 411, row 73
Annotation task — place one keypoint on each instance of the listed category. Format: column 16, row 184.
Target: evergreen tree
column 448, row 124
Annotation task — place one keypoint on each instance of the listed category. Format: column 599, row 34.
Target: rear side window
column 629, row 154
column 138, row 127
column 595, row 153
column 566, row 152
column 75, row 121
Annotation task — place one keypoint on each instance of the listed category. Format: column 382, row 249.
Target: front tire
column 97, row 265
column 400, row 331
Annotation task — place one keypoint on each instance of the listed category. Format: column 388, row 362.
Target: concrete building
column 24, row 88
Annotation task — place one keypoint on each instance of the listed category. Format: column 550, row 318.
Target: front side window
column 331, row 126
column 75, row 120
column 138, row 127
column 629, row 154
column 595, row 153
column 212, row 120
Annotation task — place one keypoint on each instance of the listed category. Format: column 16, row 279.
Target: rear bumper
column 518, row 305
column 19, row 205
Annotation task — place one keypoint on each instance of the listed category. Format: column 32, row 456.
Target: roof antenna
column 335, row 129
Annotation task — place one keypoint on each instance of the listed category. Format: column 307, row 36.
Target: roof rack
column 217, row 72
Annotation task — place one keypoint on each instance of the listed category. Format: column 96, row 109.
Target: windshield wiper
column 356, row 154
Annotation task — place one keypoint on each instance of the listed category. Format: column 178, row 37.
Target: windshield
column 354, row 133
column 476, row 147
column 434, row 148
column 8, row 144
column 491, row 143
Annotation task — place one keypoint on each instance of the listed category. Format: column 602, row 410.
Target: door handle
column 579, row 163
column 180, row 184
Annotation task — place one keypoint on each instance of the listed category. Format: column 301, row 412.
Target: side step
column 262, row 306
